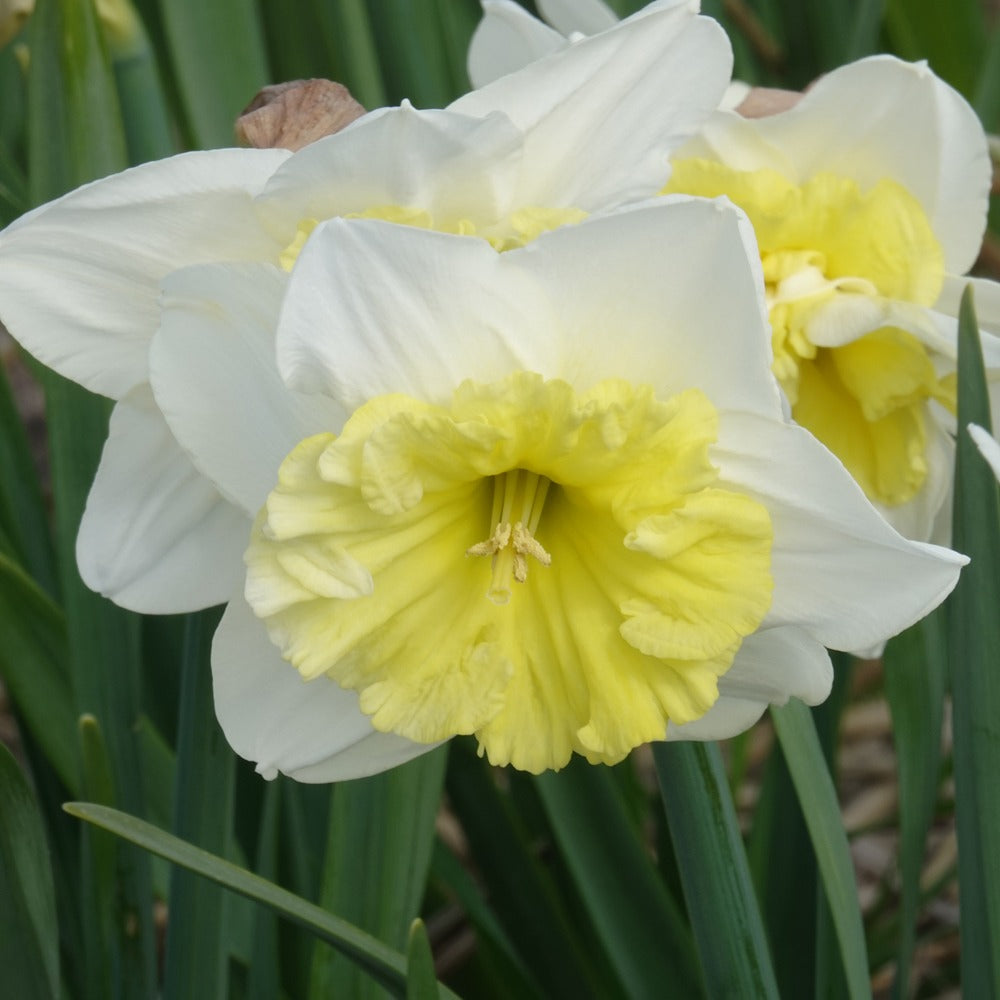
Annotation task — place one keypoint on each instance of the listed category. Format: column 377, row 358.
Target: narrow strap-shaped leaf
column 348, row 31
column 521, row 891
column 420, row 981
column 986, row 99
column 262, row 979
column 100, row 853
column 33, row 664
column 414, row 62
column 728, row 931
column 814, row 786
column 22, row 512
column 29, row 937
column 974, row 650
column 491, row 937
column 915, row 669
column 381, row 835
column 385, row 964
column 197, row 956
column 644, row 932
column 219, row 63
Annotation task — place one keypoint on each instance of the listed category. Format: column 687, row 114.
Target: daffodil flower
column 508, row 38
column 80, row 278
column 868, row 199
column 550, row 498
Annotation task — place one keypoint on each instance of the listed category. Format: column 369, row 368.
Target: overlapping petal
column 80, row 277
column 215, row 381
column 156, row 536
column 590, row 142
column 453, row 309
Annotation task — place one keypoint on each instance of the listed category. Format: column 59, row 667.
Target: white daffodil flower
column 554, row 501
column 868, row 199
column 508, row 38
column 80, row 278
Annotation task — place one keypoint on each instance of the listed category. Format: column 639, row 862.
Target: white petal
column 668, row 294
column 840, row 571
column 776, row 664
column 79, row 278
column 987, row 445
column 447, row 308
column 507, row 39
column 156, row 537
column 602, row 116
column 728, row 717
column 215, row 378
column 311, row 731
column 453, row 166
column 587, row 17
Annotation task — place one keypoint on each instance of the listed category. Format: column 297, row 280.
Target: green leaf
column 713, row 866
column 22, row 511
column 500, row 955
column 263, row 978
column 197, row 956
column 33, row 664
column 647, row 939
column 100, row 851
column 74, row 122
column 986, row 98
column 950, row 36
column 381, row 835
column 414, row 59
column 29, row 936
column 521, row 891
column 420, row 981
column 915, row 670
column 385, row 964
column 974, row 649
column 348, row 30
column 219, row 63
column 796, row 731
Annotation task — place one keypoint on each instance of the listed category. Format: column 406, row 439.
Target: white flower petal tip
column 310, row 731
column 80, row 276
column 613, row 105
column 988, row 446
column 155, row 536
column 507, row 39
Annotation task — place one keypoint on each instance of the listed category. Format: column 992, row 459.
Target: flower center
column 650, row 575
column 523, row 226
column 509, row 545
column 841, row 269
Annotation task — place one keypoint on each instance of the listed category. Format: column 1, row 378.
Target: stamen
column 510, row 545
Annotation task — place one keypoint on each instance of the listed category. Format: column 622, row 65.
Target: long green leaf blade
column 385, row 964
column 645, row 934
column 915, row 671
column 420, row 981
column 713, row 866
column 219, row 62
column 378, row 857
column 814, row 786
column 197, row 957
column 974, row 649
column 33, row 664
column 29, row 937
